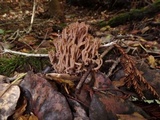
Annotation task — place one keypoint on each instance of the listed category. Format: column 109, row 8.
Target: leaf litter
column 96, row 73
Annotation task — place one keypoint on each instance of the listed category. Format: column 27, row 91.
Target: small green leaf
column 1, row 31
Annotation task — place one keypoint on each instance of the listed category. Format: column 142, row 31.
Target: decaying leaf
column 79, row 111
column 20, row 111
column 97, row 111
column 47, row 103
column 28, row 117
column 101, row 82
column 106, row 107
column 134, row 116
column 62, row 78
column 8, row 100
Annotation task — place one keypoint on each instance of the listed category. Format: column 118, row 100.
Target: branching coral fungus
column 75, row 50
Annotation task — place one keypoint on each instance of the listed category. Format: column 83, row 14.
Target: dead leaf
column 119, row 83
column 62, row 78
column 97, row 111
column 152, row 61
column 101, row 82
column 28, row 117
column 105, row 107
column 8, row 100
column 145, row 29
column 47, row 103
column 134, row 116
column 19, row 112
column 84, row 95
column 79, row 111
column 28, row 40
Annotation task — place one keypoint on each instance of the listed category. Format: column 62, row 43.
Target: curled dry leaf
column 47, row 103
column 62, row 78
column 8, row 100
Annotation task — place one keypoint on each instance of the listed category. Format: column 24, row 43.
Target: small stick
column 22, row 53
column 106, row 51
column 115, row 63
column 83, row 78
column 33, row 14
column 109, row 44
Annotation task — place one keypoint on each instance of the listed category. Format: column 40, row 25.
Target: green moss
column 8, row 65
column 135, row 14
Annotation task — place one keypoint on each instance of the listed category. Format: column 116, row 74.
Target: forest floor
column 139, row 41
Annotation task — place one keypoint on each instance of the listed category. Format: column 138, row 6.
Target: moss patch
column 8, row 65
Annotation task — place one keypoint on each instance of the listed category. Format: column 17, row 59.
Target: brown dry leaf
column 134, row 116
column 145, row 29
column 8, row 100
column 135, row 31
column 84, row 95
column 28, row 117
column 101, row 82
column 62, row 78
column 47, row 103
column 19, row 112
column 79, row 111
column 28, row 40
column 32, row 117
column 152, row 61
column 119, row 83
column 105, row 107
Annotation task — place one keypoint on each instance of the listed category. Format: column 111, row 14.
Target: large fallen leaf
column 106, row 107
column 47, row 103
column 8, row 100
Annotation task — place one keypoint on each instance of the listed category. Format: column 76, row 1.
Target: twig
column 109, row 44
column 22, row 53
column 33, row 14
column 106, row 51
column 83, row 78
column 115, row 63
column 42, row 40
column 15, row 35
